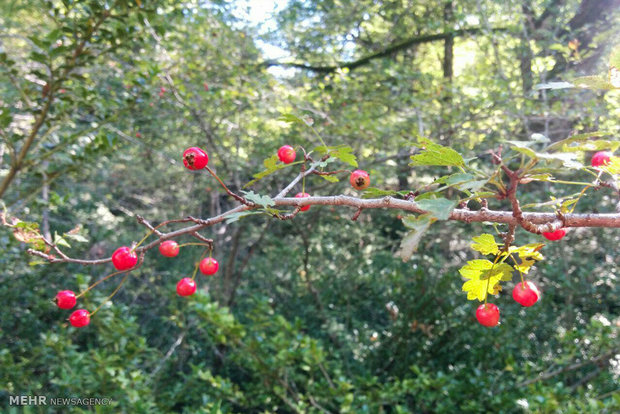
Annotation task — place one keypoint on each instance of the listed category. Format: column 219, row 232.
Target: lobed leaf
column 435, row 154
column 262, row 200
column 440, row 208
column 485, row 244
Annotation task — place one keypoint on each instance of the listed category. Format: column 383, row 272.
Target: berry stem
column 192, row 244
column 101, row 280
column 147, row 236
column 198, row 262
column 230, row 193
column 110, row 297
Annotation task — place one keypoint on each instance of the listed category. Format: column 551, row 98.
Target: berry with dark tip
column 360, row 180
column 195, row 158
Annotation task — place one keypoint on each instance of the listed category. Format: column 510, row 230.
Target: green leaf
column 76, row 237
column 272, row 165
column 262, row 200
column 291, row 119
column 593, row 82
column 485, row 244
column 454, row 179
column 231, row 218
column 614, row 57
column 435, row 154
column 330, row 178
column 560, row 145
column 440, row 208
column 342, row 152
column 553, row 85
column 373, row 192
column 59, row 241
column 417, row 225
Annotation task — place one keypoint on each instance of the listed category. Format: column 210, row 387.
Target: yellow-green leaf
column 485, row 244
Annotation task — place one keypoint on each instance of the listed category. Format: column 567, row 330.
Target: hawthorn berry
column 360, row 180
column 600, row 158
column 79, row 318
column 487, row 314
column 287, row 154
column 195, row 158
column 65, row 299
column 525, row 293
column 209, row 266
column 123, row 258
column 169, row 248
column 554, row 235
column 186, row 287
column 303, row 195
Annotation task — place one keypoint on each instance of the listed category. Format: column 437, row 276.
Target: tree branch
column 506, row 217
column 397, row 47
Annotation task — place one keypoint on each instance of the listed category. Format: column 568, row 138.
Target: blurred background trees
column 317, row 314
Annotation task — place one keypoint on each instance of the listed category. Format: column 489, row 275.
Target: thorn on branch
column 148, row 225
column 203, row 239
column 357, row 214
column 288, row 216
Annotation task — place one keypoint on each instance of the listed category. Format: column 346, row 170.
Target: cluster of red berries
column 359, row 179
column 125, row 258
column 525, row 293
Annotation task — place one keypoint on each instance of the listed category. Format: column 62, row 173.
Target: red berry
column 79, row 318
column 138, row 135
column 162, row 90
column 65, row 299
column 209, row 266
column 169, row 248
column 123, row 258
column 525, row 295
column 360, row 180
column 186, row 287
column 487, row 314
column 600, row 158
column 206, row 86
column 303, row 195
column 286, row 154
column 555, row 235
column 195, row 158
